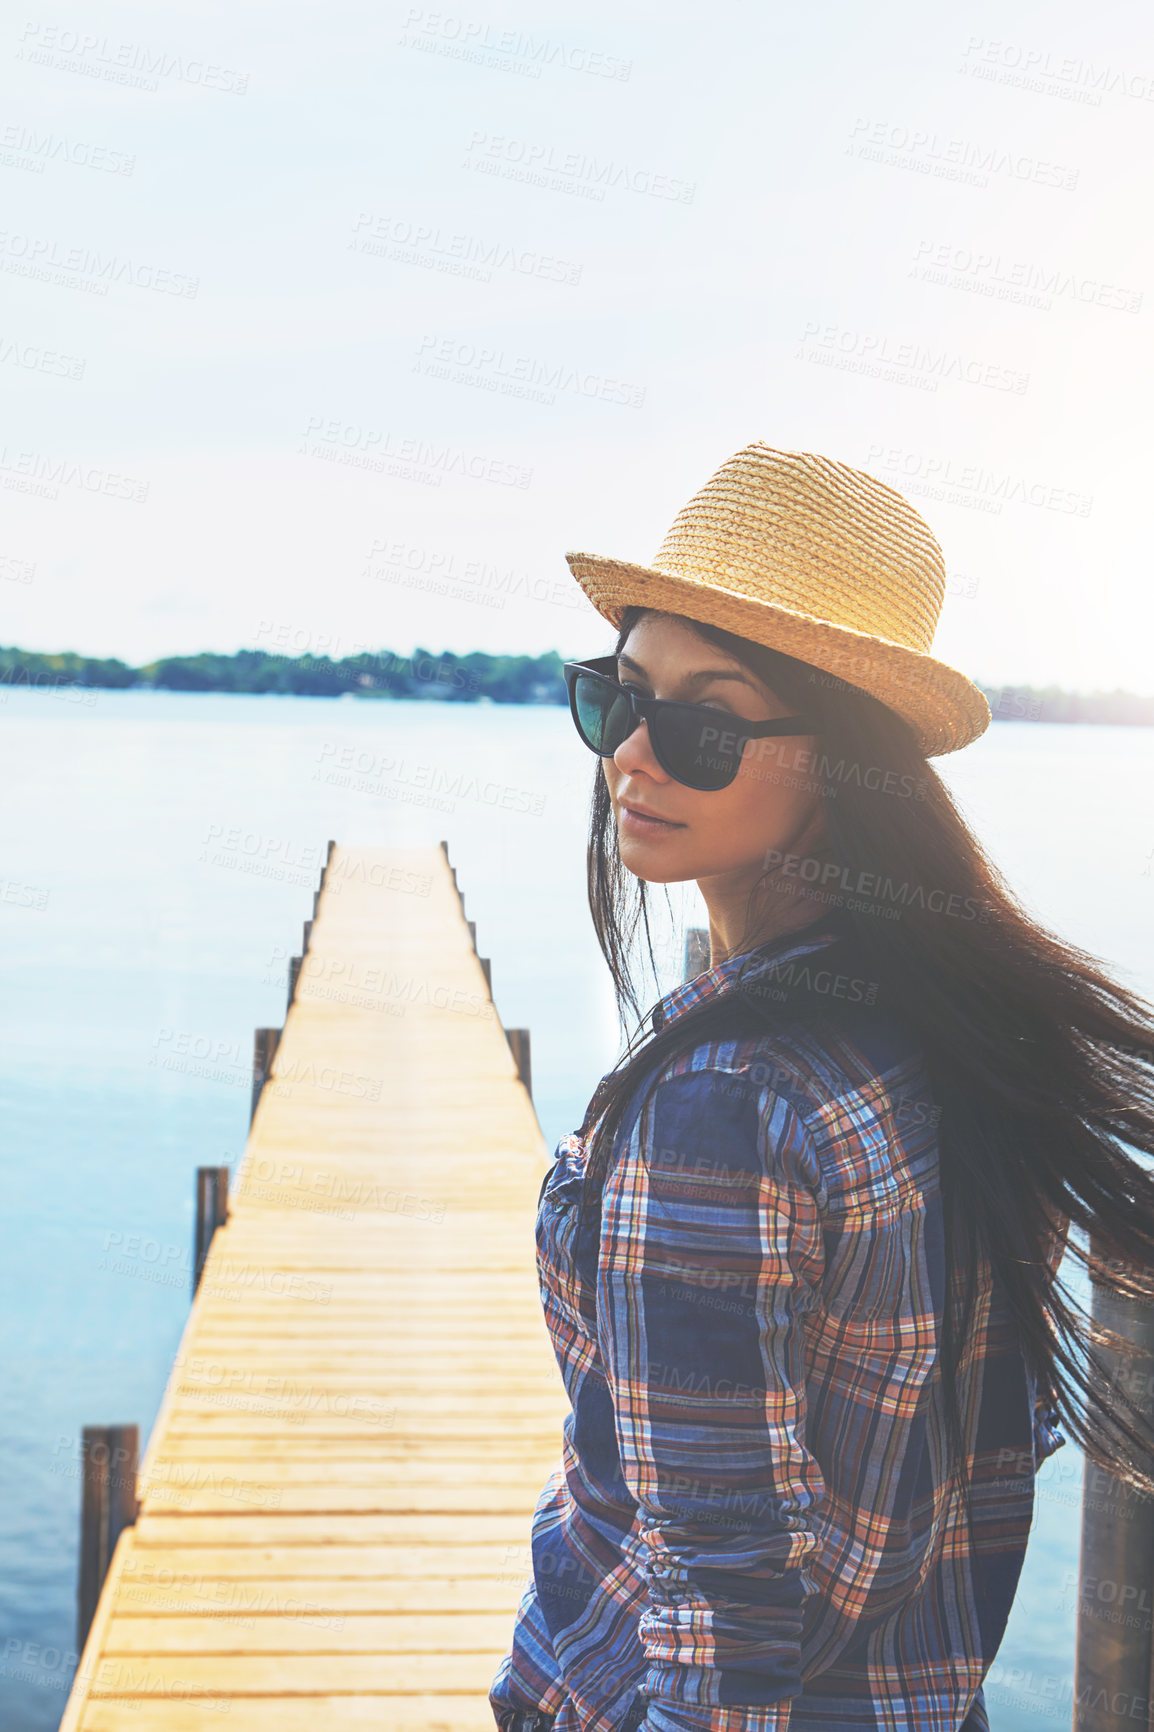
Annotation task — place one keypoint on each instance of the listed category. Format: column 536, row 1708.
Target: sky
column 334, row 328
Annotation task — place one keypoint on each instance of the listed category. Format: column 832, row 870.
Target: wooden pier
column 336, row 1499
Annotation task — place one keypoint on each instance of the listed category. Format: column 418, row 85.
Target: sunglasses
column 698, row 746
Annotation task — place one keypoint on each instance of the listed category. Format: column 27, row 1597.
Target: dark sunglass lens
column 605, row 716
column 702, row 753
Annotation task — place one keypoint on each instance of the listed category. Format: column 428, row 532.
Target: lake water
column 160, row 856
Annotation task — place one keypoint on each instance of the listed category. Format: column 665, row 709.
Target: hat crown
column 820, row 561
column 804, row 532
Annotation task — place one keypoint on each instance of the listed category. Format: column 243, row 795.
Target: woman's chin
column 652, row 860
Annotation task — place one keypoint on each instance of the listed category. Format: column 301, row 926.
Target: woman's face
column 667, row 832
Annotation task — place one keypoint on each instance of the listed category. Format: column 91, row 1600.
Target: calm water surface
column 161, row 852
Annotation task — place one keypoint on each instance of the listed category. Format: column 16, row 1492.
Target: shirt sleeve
column 529, row 1676
column 711, row 1253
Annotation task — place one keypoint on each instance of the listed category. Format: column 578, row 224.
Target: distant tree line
column 513, row 679
column 1053, row 704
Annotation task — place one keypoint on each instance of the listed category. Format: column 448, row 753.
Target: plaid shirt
column 748, row 1523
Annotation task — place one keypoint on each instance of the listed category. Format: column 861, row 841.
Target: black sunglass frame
column 604, row 668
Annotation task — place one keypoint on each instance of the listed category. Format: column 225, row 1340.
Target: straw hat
column 815, row 559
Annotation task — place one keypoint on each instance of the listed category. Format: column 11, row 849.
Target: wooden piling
column 108, row 1460
column 264, row 1045
column 696, row 951
column 211, row 1213
column 1114, row 1659
column 453, row 871
column 518, row 1039
column 321, row 882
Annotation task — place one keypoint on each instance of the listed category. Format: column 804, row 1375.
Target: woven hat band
column 804, row 532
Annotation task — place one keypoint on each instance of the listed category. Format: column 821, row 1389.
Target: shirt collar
column 714, row 980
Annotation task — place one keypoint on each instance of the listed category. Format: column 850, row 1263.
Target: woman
column 799, row 1264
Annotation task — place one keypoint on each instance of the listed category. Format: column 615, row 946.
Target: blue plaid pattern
column 748, row 1529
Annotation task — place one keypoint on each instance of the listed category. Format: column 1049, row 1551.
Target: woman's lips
column 640, row 824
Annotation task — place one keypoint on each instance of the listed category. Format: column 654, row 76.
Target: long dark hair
column 1041, row 1065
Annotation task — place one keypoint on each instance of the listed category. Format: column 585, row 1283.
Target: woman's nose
column 636, row 754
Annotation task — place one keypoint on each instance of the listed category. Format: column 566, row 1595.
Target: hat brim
column 944, row 708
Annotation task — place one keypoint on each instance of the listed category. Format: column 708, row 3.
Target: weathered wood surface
column 337, row 1495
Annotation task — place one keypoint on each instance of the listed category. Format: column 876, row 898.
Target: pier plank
column 426, row 1712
